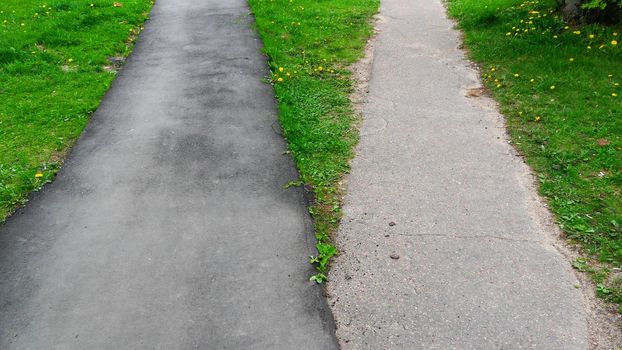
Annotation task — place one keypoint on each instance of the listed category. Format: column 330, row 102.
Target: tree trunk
column 571, row 10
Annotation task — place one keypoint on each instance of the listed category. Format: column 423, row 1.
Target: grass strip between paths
column 57, row 59
column 559, row 88
column 310, row 44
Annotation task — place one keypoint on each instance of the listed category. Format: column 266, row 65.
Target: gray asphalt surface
column 168, row 227
column 436, row 185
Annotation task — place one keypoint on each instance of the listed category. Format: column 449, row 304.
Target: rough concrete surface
column 444, row 241
column 168, row 227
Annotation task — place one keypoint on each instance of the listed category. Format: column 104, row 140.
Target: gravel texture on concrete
column 168, row 227
column 444, row 241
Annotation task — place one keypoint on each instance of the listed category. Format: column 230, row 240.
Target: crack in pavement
column 469, row 237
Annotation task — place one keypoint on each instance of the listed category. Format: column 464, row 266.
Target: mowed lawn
column 57, row 59
column 559, row 88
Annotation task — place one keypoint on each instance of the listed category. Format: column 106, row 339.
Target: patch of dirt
column 68, row 69
column 115, row 64
column 361, row 73
column 475, row 92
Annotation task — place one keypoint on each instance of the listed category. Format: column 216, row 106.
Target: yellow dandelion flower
column 552, row 87
column 591, row 36
column 279, row 79
column 577, row 32
column 614, row 42
column 38, row 175
column 280, row 69
column 537, row 118
column 571, row 59
column 614, row 94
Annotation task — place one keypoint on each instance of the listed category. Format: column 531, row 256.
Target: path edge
column 604, row 322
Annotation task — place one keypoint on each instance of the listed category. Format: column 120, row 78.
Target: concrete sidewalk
column 444, row 242
column 168, row 227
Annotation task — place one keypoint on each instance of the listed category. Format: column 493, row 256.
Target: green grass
column 567, row 121
column 310, row 44
column 52, row 77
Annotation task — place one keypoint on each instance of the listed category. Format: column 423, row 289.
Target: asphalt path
column 168, row 227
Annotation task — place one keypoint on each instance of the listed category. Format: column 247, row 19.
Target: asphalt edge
column 307, row 194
